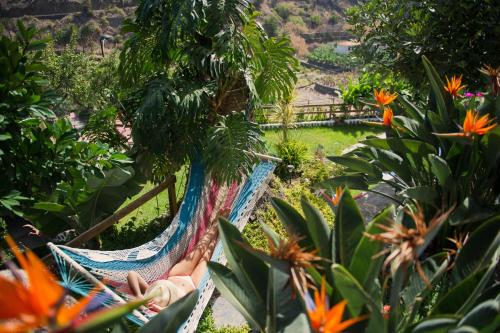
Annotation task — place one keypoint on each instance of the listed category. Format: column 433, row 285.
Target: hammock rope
column 82, row 270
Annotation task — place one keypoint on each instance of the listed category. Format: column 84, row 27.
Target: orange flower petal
column 334, row 316
column 14, row 300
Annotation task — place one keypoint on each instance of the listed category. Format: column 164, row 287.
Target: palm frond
column 228, row 151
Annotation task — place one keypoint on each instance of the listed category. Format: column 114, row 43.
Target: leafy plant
column 326, row 54
column 224, row 63
column 42, row 160
column 362, row 89
column 431, row 157
column 428, row 290
column 395, row 34
column 293, row 154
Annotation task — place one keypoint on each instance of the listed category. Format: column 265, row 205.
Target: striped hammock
column 82, row 270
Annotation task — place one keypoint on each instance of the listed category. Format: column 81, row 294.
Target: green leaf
column 5, row 136
column 357, row 297
column 363, row 266
column 227, row 283
column 358, row 165
column 355, row 182
column 348, row 228
column 403, row 146
column 458, row 295
column 484, row 317
column 284, row 309
column 443, row 100
column 424, row 194
column 170, row 319
column 293, row 222
column 49, row 206
column 245, row 265
column 441, row 170
column 317, row 227
column 435, row 325
column 433, row 268
column 107, row 317
column 485, row 240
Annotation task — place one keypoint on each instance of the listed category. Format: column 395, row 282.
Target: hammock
column 82, row 269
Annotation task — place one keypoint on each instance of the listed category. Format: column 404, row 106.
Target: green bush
column 293, row 153
column 285, row 9
column 297, row 20
column 315, row 20
column 271, row 24
column 437, row 153
column 66, row 35
column 356, row 91
column 89, row 33
column 424, row 289
column 327, row 54
column 134, row 232
column 333, row 19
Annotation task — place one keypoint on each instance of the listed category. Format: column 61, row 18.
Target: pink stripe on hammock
column 205, row 218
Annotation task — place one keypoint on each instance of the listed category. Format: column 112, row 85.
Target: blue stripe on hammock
column 186, row 216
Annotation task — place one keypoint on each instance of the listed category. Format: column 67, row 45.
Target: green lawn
column 156, row 206
column 333, row 139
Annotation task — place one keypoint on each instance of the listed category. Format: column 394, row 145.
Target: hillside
column 307, row 22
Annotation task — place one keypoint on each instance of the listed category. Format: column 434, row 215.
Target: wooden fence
column 318, row 110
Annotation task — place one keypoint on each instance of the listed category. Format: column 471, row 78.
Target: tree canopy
column 457, row 36
column 197, row 65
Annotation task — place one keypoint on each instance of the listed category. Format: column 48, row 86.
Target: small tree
column 89, row 33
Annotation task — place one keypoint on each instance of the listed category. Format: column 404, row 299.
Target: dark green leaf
column 227, row 284
column 364, row 267
column 485, row 240
column 348, row 228
column 170, row 319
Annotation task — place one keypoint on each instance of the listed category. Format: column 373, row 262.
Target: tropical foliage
column 360, row 90
column 456, row 36
column 35, row 300
column 196, row 62
column 445, row 155
column 45, row 168
column 327, row 54
column 423, row 291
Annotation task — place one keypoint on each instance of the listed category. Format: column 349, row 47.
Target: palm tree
column 200, row 65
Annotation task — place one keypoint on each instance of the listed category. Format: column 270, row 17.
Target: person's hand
column 154, row 307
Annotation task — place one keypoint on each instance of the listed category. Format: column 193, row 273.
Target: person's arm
column 136, row 284
column 201, row 267
column 187, row 265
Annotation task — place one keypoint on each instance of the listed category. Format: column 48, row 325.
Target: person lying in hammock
column 184, row 277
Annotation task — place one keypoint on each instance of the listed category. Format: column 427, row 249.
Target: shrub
column 293, row 153
column 356, row 91
column 299, row 44
column 285, row 9
column 333, row 19
column 89, row 33
column 315, row 20
column 296, row 20
column 434, row 159
column 271, row 23
column 327, row 54
column 65, row 36
column 424, row 290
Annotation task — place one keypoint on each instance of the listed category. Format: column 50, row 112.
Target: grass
column 158, row 205
column 333, row 139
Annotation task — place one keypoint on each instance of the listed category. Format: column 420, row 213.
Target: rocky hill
column 306, row 22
